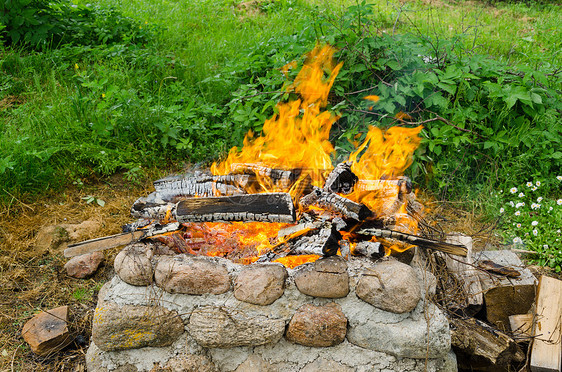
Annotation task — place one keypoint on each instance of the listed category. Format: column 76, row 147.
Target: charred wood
column 341, row 179
column 455, row 249
column 368, row 249
column 174, row 187
column 335, row 203
column 266, row 207
column 281, row 178
column 402, row 185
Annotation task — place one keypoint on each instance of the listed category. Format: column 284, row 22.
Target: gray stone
column 390, row 286
column 83, row 266
column 217, row 326
column 428, row 336
column 260, row 284
column 254, row 363
column 323, row 365
column 326, row 277
column 191, row 275
column 317, row 326
column 130, row 327
column 133, row 264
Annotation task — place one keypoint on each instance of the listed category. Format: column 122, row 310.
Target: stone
column 255, row 363
column 191, row 275
column 83, row 266
column 47, row 332
column 322, row 365
column 390, row 286
column 190, row 363
column 134, row 264
column 53, row 237
column 317, row 326
column 425, row 336
column 260, row 284
column 130, row 327
column 326, row 277
column 217, row 326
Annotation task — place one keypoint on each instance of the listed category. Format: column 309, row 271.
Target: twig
column 14, row 356
column 16, row 199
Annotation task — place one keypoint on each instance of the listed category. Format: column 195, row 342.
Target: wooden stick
column 335, row 203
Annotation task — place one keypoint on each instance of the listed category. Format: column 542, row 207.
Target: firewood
column 383, row 188
column 505, row 296
column 281, row 178
column 368, row 249
column 341, row 179
column 479, row 345
column 469, row 300
column 335, row 203
column 455, row 249
column 174, row 187
column 521, row 326
column 266, row 207
column 546, row 353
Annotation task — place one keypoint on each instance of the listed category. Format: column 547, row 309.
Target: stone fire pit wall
column 187, row 313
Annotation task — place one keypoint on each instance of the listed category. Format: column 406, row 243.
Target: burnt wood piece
column 341, row 179
column 401, row 185
column 335, row 203
column 153, row 208
column 478, row 345
column 174, row 187
column 300, row 229
column 368, row 249
column 266, row 207
column 324, row 242
column 459, row 250
column 281, row 178
column 492, row 267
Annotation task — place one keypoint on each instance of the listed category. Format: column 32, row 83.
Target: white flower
column 502, row 210
column 534, row 223
column 517, row 240
column 518, row 213
column 539, row 199
column 519, row 205
column 535, row 232
column 518, row 225
column 538, row 183
column 521, row 195
column 529, row 184
column 534, row 188
column 559, row 202
column 513, row 190
column 512, row 204
column 558, row 231
column 534, row 206
column 549, row 209
column 559, row 178
column 545, row 246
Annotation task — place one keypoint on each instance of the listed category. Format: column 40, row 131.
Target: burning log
column 335, row 203
column 266, row 207
column 368, row 249
column 174, row 187
column 341, row 179
column 279, row 177
column 459, row 250
column 402, row 185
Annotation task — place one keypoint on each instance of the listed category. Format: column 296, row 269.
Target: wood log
column 455, row 249
column 478, row 345
column 546, row 352
column 385, row 188
column 324, row 242
column 266, row 207
column 281, row 178
column 505, row 296
column 469, row 299
column 174, row 187
column 335, row 203
column 368, row 249
column 341, row 179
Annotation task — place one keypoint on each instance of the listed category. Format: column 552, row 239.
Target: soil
column 33, row 278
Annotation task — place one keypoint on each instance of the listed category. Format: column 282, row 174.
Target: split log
column 174, row 187
column 300, row 229
column 335, row 203
column 522, row 327
column 281, row 178
column 384, row 188
column 445, row 247
column 341, row 179
column 546, row 353
column 478, row 345
column 266, row 207
column 505, row 296
column 468, row 298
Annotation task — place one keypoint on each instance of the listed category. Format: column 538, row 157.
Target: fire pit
column 276, row 260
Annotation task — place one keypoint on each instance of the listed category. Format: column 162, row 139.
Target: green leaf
column 556, row 155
